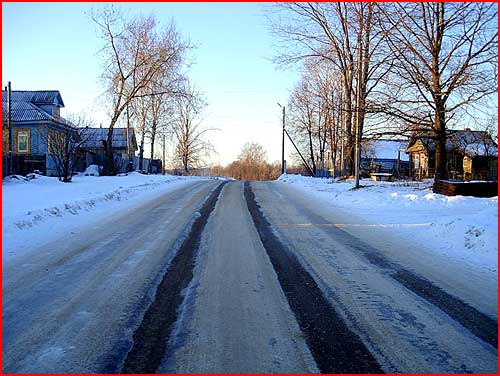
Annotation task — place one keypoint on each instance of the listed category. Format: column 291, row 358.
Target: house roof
column 473, row 143
column 468, row 142
column 25, row 106
column 477, row 149
column 35, row 96
column 97, row 135
column 26, row 112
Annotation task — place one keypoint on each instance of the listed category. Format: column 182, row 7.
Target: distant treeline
column 251, row 165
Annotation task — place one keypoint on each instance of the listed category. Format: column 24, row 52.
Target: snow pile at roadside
column 459, row 226
column 36, row 210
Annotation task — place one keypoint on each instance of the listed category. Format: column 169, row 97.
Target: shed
column 385, row 156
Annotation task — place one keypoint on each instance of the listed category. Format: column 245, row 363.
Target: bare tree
column 135, row 56
column 161, row 119
column 445, row 59
column 191, row 147
column 348, row 36
column 252, row 164
column 64, row 146
column 139, row 112
column 302, row 119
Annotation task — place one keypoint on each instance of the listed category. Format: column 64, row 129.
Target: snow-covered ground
column 37, row 211
column 458, row 227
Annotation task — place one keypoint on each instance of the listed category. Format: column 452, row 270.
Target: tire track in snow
column 478, row 323
column 335, row 348
column 151, row 337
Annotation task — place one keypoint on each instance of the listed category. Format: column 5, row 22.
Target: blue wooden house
column 34, row 115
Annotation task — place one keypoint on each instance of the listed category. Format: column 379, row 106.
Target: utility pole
column 163, row 162
column 283, row 167
column 128, row 141
column 357, row 161
column 9, row 126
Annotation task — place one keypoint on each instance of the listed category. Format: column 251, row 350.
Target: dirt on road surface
column 236, row 278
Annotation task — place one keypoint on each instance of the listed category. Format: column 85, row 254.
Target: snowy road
column 73, row 305
column 240, row 278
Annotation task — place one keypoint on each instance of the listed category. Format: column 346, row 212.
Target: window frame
column 23, row 133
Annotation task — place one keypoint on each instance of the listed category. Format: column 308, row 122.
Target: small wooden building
column 385, row 156
column 124, row 146
column 471, row 155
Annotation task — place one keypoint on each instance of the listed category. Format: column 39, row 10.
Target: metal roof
column 25, row 106
column 25, row 112
column 36, row 96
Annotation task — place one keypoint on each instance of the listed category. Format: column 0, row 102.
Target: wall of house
column 419, row 164
column 483, row 168
column 5, row 141
column 51, row 167
column 34, row 144
column 37, row 148
column 51, row 109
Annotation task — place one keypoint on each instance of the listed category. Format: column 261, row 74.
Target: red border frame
column 155, row 1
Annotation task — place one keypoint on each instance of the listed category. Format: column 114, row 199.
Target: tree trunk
column 185, row 163
column 141, row 152
column 150, row 167
column 440, row 158
column 109, row 160
column 311, row 152
column 333, row 146
column 348, row 130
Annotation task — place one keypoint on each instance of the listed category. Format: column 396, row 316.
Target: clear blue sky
column 55, row 46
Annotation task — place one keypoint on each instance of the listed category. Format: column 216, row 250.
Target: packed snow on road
column 456, row 227
column 151, row 273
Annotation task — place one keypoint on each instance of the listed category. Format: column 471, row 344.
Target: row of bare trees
column 251, row 165
column 372, row 69
column 147, row 88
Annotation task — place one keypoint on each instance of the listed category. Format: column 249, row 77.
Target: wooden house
column 471, row 155
column 34, row 115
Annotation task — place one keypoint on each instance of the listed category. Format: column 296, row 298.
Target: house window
column 23, row 141
column 416, row 161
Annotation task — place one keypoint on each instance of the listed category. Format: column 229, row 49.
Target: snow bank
column 460, row 227
column 92, row 170
column 42, row 209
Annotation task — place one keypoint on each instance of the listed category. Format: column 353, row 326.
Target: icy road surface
column 240, row 278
